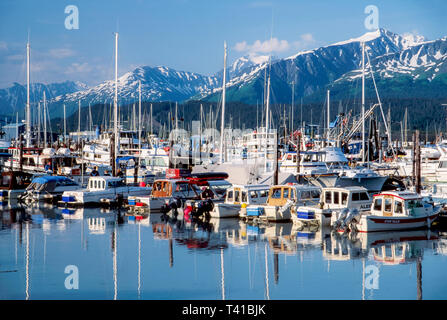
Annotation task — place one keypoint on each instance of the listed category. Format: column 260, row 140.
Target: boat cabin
column 104, row 182
column 399, row 203
column 15, row 180
column 174, row 188
column 248, row 194
column 278, row 195
column 348, row 197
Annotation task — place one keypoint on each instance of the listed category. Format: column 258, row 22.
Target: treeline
column 427, row 115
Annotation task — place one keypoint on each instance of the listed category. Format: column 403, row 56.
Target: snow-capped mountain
column 335, row 66
column 13, row 99
column 157, row 84
column 245, row 62
column 314, row 70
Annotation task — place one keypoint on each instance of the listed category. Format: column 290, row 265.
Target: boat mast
column 222, row 124
column 115, row 124
column 65, row 124
column 38, row 124
column 328, row 113
column 28, row 106
column 267, row 124
column 79, row 122
column 44, row 120
column 139, row 116
column 363, row 102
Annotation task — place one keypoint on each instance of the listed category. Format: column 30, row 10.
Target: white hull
column 372, row 223
column 225, row 210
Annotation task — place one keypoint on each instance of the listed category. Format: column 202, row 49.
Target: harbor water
column 54, row 253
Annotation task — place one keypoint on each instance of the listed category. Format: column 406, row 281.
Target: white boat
column 102, row 190
column 329, row 167
column 399, row 210
column 283, row 200
column 237, row 198
column 48, row 188
column 332, row 202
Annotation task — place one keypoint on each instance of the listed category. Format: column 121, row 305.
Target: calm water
column 120, row 258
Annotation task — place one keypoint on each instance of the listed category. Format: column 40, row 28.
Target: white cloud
column 268, row 46
column 78, row 68
column 61, row 53
column 304, row 42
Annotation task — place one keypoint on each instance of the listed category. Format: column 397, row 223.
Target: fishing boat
column 237, row 198
column 332, row 202
column 282, row 202
column 13, row 184
column 172, row 193
column 399, row 210
column 48, row 188
column 102, row 190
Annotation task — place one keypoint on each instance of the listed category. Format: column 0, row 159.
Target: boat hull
column 225, row 210
column 373, row 223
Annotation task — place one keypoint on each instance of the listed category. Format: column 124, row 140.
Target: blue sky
column 186, row 34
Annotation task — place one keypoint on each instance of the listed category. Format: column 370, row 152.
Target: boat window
column 398, row 207
column 230, row 195
column 336, row 198
column 344, row 198
column 387, row 206
column 181, row 187
column 264, row 194
column 285, row 193
column 364, row 196
column 328, row 197
column 165, row 187
column 244, row 196
column 355, row 196
column 305, row 194
column 294, row 158
column 289, row 157
column 378, row 204
column 315, row 194
column 91, row 184
column 276, row 193
column 6, row 180
column 103, row 183
column 253, row 194
column 96, row 184
column 236, row 196
column 443, row 164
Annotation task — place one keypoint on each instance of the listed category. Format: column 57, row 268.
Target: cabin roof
column 251, row 186
column 349, row 189
column 297, row 186
column 404, row 195
column 46, row 179
column 106, row 178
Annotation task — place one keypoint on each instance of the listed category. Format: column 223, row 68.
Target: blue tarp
column 46, row 179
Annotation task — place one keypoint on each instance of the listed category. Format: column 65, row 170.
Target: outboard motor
column 343, row 214
column 204, row 207
column 286, row 207
column 352, row 218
